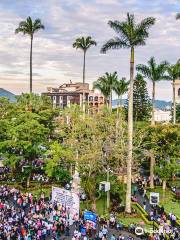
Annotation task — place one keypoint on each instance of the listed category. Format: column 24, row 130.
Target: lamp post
column 108, row 192
column 106, row 150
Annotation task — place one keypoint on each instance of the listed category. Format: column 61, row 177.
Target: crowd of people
column 167, row 223
column 23, row 217
column 4, row 171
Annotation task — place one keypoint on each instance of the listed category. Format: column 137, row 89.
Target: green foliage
column 142, row 106
column 87, row 136
column 121, row 87
column 84, row 43
column 178, row 113
column 106, row 84
column 130, row 34
column 153, row 71
column 58, row 162
column 163, row 141
column 61, row 176
column 29, row 27
column 25, row 128
column 173, row 72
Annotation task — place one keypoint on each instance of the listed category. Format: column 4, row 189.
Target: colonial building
column 72, row 93
column 162, row 115
column 177, row 89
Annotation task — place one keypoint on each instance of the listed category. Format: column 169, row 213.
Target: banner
column 90, row 216
column 91, row 219
column 154, row 198
column 68, row 199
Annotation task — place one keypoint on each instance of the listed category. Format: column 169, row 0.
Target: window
column 179, row 92
column 96, row 98
column 91, row 98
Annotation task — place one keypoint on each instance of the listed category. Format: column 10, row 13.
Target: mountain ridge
column 160, row 104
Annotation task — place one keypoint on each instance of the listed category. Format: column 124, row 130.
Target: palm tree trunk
column 152, row 163
column 164, row 184
column 110, row 101
column 153, row 104
column 31, row 64
column 174, row 104
column 130, row 134
column 84, row 69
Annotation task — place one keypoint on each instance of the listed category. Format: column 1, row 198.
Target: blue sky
column 54, row 59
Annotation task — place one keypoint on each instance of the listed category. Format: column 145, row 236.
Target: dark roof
column 7, row 94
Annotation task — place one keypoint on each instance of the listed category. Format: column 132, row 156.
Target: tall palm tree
column 130, row 35
column 106, row 85
column 173, row 74
column 178, row 16
column 84, row 43
column 30, row 28
column 155, row 73
column 120, row 88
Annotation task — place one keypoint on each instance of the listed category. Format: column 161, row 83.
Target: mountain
column 7, row 94
column 160, row 104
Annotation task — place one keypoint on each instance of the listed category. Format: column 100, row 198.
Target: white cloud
column 54, row 59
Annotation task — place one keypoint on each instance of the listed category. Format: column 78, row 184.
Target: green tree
column 86, row 137
column 30, row 28
column 141, row 100
column 162, row 141
column 58, row 163
column 178, row 113
column 27, row 128
column 25, row 138
column 154, row 72
column 173, row 74
column 120, row 88
column 106, row 85
column 130, row 35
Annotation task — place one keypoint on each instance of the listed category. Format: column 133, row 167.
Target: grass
column 128, row 220
column 100, row 206
column 167, row 199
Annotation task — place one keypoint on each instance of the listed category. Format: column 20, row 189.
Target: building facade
column 162, row 115
column 72, row 93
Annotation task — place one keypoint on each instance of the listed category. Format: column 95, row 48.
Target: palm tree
column 178, row 16
column 106, row 85
column 155, row 73
column 120, row 88
column 29, row 27
column 173, row 74
column 130, row 35
column 84, row 43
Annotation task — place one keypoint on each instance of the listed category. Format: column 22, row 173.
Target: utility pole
column 108, row 192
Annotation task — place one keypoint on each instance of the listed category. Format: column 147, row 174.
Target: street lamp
column 106, row 150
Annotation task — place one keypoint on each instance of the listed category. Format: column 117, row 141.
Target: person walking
column 113, row 237
column 144, row 205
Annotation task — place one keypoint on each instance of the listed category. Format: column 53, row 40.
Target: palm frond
column 121, row 86
column 129, row 33
column 144, row 70
column 29, row 27
column 114, row 43
column 178, row 16
column 84, row 43
column 154, row 71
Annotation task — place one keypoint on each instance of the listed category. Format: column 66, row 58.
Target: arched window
column 179, row 92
